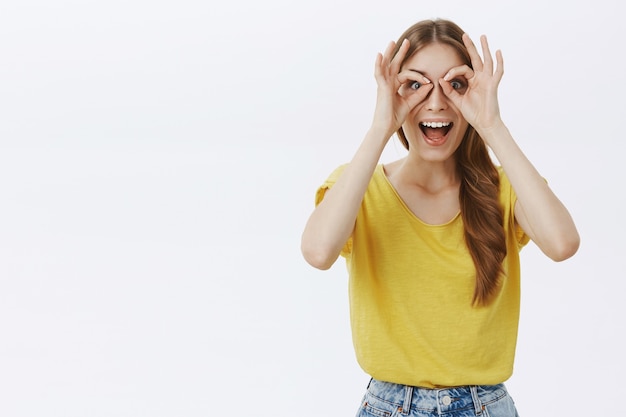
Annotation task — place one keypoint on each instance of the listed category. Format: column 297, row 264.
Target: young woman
column 432, row 240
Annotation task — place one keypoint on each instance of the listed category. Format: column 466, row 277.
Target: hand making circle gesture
column 392, row 107
column 479, row 103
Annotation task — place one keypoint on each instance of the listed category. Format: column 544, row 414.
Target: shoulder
column 390, row 169
column 380, row 171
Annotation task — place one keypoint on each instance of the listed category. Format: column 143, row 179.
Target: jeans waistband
column 439, row 400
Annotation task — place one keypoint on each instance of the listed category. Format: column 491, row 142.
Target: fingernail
column 427, row 80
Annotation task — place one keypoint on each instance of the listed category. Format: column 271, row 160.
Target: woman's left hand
column 479, row 102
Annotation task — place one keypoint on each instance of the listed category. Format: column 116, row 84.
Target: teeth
column 436, row 124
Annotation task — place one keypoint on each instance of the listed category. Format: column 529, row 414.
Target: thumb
column 450, row 92
column 417, row 97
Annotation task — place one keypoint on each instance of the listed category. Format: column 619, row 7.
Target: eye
column 414, row 85
column 458, row 85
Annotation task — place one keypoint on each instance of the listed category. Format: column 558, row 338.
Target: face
column 435, row 127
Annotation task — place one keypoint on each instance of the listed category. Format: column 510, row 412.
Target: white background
column 158, row 160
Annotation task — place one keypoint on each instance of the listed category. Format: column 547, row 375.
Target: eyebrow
column 423, row 74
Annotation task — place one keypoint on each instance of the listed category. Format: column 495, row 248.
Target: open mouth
column 435, row 131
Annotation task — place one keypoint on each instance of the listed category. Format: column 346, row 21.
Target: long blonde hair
column 480, row 182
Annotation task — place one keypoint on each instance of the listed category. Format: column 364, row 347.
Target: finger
column 408, row 75
column 406, row 82
column 500, row 68
column 378, row 67
column 477, row 62
column 488, row 60
column 394, row 66
column 449, row 91
column 397, row 60
column 418, row 95
column 387, row 55
column 462, row 71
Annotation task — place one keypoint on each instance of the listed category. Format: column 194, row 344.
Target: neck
column 430, row 175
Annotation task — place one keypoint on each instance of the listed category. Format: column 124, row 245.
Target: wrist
column 380, row 133
column 493, row 131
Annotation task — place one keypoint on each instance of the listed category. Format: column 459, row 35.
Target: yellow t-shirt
column 411, row 288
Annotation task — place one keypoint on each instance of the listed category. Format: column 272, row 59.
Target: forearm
column 332, row 222
column 539, row 211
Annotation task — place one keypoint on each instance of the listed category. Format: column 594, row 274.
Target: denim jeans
column 384, row 399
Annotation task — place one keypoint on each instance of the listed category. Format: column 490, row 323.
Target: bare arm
column 538, row 211
column 332, row 222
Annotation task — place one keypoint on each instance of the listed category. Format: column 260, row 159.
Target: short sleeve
column 319, row 196
column 522, row 237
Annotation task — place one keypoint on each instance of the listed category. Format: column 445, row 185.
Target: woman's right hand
column 392, row 105
column 332, row 222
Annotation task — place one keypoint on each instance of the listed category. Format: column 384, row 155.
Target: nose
column 436, row 99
